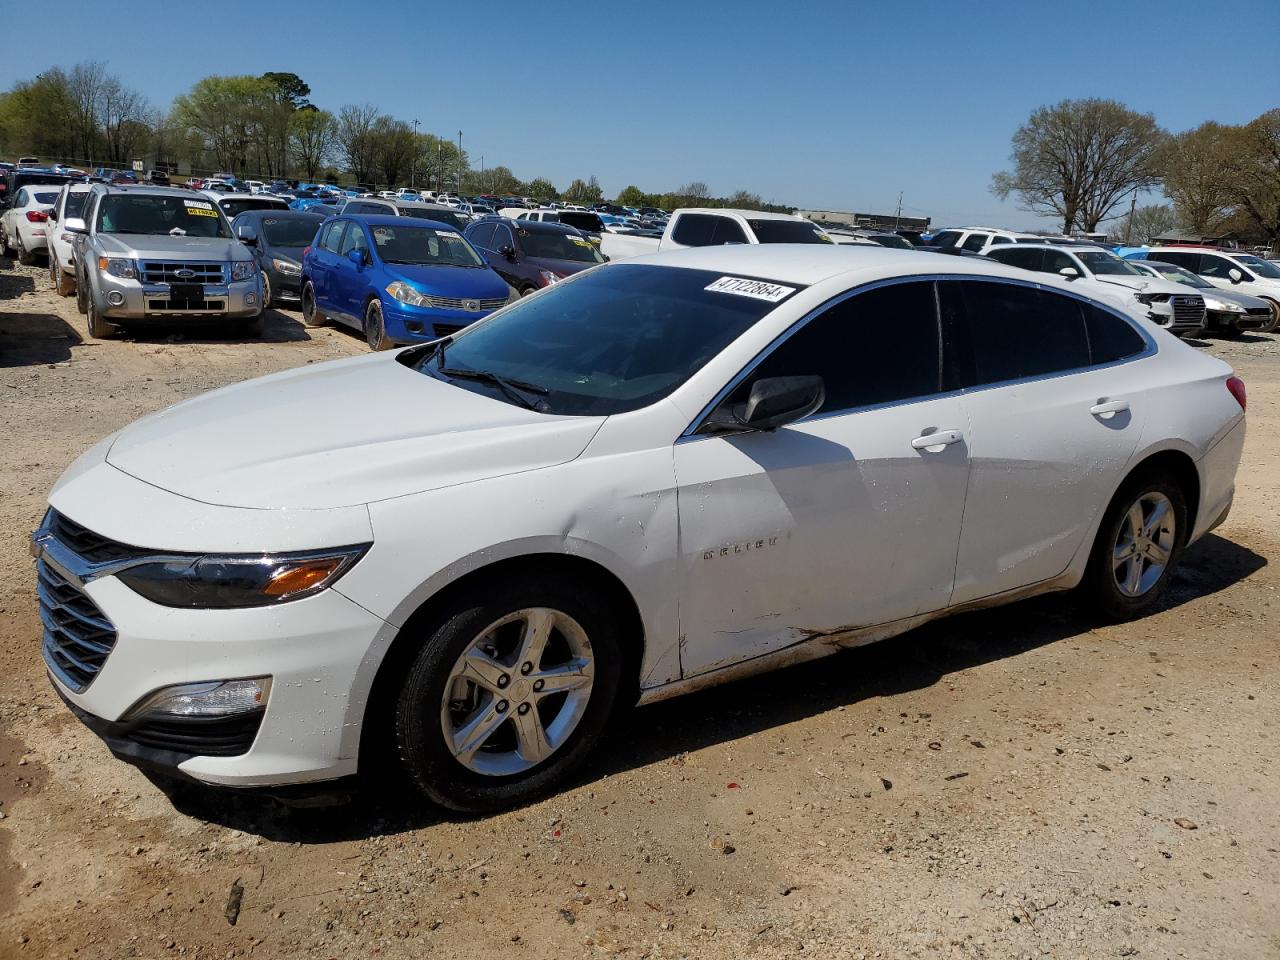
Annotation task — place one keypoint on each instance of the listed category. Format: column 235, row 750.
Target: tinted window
column 774, row 231
column 975, row 241
column 75, row 204
column 1026, row 259
column 707, row 230
column 947, row 238
column 1217, row 267
column 1006, row 332
column 481, row 235
column 1264, row 268
column 875, row 347
column 1110, row 338
column 289, row 231
column 1189, row 260
column 1056, row 261
column 332, row 237
column 609, row 340
column 439, row 216
column 557, row 245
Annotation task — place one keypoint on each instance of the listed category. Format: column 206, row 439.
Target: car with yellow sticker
column 531, row 254
column 147, row 254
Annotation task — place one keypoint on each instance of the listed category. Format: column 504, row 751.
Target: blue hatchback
column 399, row 279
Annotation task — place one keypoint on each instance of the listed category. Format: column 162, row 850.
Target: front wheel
column 63, row 282
column 375, row 328
column 99, row 328
column 82, row 300
column 513, row 687
column 1138, row 545
column 1271, row 324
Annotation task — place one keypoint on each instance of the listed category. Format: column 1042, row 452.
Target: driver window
column 1216, row 267
column 355, row 240
column 1055, row 260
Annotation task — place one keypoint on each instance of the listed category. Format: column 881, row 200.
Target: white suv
column 69, row 208
column 1177, row 307
column 1229, row 269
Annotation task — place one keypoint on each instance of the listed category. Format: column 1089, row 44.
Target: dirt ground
column 1005, row 784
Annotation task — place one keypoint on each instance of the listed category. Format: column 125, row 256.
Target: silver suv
column 154, row 254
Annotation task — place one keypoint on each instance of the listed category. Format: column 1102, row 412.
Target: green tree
column 632, row 196
column 1252, row 174
column 227, row 115
column 1149, row 221
column 542, row 189
column 1079, row 158
column 312, row 137
column 1191, row 166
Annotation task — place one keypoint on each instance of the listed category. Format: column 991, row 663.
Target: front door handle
column 1106, row 409
column 933, row 442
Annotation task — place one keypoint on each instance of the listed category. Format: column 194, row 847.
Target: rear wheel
column 375, row 328
column 266, row 290
column 528, row 291
column 99, row 328
column 25, row 256
column 82, row 301
column 62, row 281
column 513, row 687
column 1271, row 324
column 5, row 246
column 311, row 316
column 1138, row 544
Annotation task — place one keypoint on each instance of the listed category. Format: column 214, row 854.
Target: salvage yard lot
column 1011, row 783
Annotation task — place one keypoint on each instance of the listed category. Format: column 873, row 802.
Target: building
column 875, row 221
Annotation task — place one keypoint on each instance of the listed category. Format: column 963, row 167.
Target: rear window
column 233, row 208
column 787, row 231
column 289, row 231
column 49, row 198
column 440, row 216
column 555, row 245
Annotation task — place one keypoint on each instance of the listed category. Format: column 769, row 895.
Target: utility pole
column 482, row 171
column 458, row 186
column 1128, row 232
column 413, row 163
column 897, row 217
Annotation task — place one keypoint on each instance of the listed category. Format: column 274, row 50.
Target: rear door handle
column 1109, row 408
column 933, row 442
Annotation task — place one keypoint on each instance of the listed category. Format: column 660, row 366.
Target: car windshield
column 1263, row 268
column 439, row 216
column 290, row 231
column 1178, row 274
column 233, row 208
column 787, row 231
column 555, row 245
column 418, row 246
column 610, row 340
column 1107, row 264
column 158, row 215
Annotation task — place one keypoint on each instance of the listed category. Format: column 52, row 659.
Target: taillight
column 37, row 216
column 306, row 250
column 1236, row 388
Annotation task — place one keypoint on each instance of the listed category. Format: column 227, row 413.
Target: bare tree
column 356, row 141
column 312, row 136
column 123, row 115
column 84, row 92
column 1192, row 165
column 1079, row 159
column 1252, row 174
column 697, row 190
column 1149, row 221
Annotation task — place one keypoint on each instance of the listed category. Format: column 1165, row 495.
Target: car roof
column 385, row 220
column 747, row 214
column 535, row 226
column 286, row 213
column 1050, row 245
column 810, row 263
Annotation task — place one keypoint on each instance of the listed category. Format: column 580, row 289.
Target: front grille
column 1188, row 309
column 456, row 303
column 199, row 736
column 194, row 306
column 89, row 545
column 158, row 271
column 78, row 637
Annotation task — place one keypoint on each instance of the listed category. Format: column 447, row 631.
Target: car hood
column 340, row 434
column 564, row 268
column 137, row 247
column 1241, row 299
column 1146, row 284
column 287, row 253
column 479, row 283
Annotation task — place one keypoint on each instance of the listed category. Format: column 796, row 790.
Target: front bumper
column 406, row 324
column 1225, row 320
column 150, row 301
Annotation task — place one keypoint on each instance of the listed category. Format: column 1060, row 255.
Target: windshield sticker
column 198, row 204
column 197, row 212
column 579, row 241
column 756, row 289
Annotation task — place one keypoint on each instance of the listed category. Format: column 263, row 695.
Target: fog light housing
column 214, row 698
column 115, row 298
column 250, row 299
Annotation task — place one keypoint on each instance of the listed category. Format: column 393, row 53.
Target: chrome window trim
column 1150, row 349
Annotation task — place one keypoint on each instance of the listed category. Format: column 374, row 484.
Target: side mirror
column 773, row 402
column 508, row 252
column 247, row 236
column 1069, row 272
column 75, row 225
column 1235, row 275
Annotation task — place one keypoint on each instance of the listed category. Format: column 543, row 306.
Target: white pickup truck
column 708, row 227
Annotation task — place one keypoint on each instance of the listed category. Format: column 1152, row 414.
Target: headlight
column 548, row 277
column 406, row 294
column 243, row 269
column 1222, row 306
column 1150, row 298
column 216, row 698
column 124, row 269
column 287, row 267
column 225, row 582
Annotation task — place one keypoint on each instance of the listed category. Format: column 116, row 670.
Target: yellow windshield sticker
column 198, row 212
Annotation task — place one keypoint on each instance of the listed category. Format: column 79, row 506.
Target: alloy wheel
column 517, row 692
column 1144, row 544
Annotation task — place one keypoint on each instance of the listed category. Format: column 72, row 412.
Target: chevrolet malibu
column 653, row 476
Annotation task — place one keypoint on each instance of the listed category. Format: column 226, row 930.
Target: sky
column 836, row 106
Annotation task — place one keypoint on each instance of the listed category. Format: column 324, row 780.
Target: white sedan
column 653, row 476
column 24, row 223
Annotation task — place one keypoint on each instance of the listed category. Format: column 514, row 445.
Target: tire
column 62, row 281
column 497, row 773
column 99, row 328
column 311, row 316
column 5, row 246
column 375, row 328
column 82, row 301
column 528, row 291
column 25, row 256
column 1270, row 326
column 266, row 290
column 1122, row 589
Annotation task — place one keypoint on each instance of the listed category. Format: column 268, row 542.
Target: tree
column 84, row 93
column 1191, row 165
column 356, row 142
column 312, row 137
column 394, row 148
column 1079, row 159
column 695, row 191
column 1252, row 173
column 124, row 118
column 542, row 189
column 289, row 89
column 35, row 118
column 742, row 200
column 226, row 115
column 1149, row 221
column 632, row 196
